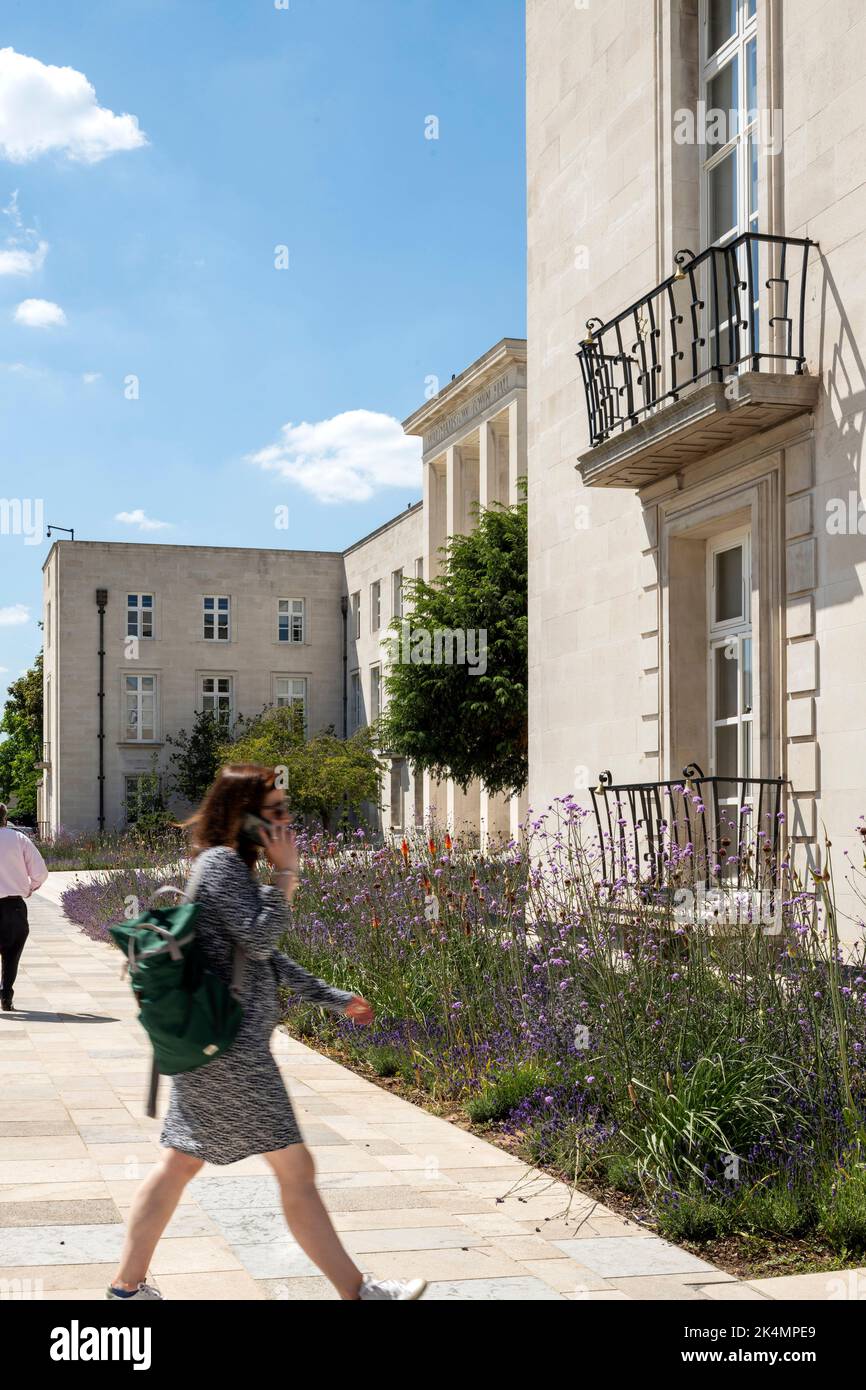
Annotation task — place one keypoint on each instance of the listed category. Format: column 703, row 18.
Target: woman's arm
column 309, row 986
column 254, row 917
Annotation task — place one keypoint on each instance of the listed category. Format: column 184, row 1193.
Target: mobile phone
column 253, row 826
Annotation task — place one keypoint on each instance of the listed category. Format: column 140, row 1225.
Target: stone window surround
column 125, row 740
column 750, row 497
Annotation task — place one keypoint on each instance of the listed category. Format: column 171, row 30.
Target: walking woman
column 237, row 1105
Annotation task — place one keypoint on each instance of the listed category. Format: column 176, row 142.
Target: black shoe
column 6, row 1003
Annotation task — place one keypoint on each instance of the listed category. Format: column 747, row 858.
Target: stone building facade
column 697, row 227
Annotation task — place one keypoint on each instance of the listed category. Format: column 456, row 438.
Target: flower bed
column 714, row 1083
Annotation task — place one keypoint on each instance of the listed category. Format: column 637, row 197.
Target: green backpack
column 190, row 1015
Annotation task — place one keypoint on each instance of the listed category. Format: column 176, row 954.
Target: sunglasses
column 280, row 809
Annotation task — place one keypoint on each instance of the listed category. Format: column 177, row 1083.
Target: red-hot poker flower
column 404, row 850
column 375, row 922
column 431, row 845
column 447, row 843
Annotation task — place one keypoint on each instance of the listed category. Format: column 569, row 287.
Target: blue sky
column 142, row 216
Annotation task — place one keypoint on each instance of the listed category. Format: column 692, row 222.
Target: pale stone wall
column 394, row 546
column 178, row 577
column 613, row 675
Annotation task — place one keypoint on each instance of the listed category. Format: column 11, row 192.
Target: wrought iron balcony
column 712, row 833
column 714, row 351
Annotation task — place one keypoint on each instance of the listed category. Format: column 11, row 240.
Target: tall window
column 48, row 625
column 142, row 793
column 139, row 615
column 356, row 613
column 729, row 586
column 419, row 567
column 375, row 605
column 356, row 707
column 375, row 693
column 291, row 691
column 216, row 697
column 397, row 765
column 290, row 620
column 729, row 89
column 140, row 708
column 397, row 593
column 216, row 613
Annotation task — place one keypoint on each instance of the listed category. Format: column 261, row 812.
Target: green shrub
column 696, row 1216
column 841, row 1205
column 498, row 1098
column 774, row 1209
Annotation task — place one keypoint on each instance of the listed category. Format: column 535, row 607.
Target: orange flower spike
column 447, row 843
column 404, row 850
column 431, row 846
column 376, row 921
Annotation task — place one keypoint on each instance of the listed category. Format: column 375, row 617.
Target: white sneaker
column 391, row 1288
column 143, row 1291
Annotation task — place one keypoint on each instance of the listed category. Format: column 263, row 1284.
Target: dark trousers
column 14, row 931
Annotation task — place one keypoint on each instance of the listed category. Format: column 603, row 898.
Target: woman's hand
column 359, row 1010
column 280, row 847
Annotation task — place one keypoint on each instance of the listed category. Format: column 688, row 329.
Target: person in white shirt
column 22, row 871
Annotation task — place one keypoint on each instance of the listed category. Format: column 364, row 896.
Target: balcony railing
column 698, row 832
column 738, row 307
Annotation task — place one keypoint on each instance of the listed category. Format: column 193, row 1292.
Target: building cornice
column 481, row 373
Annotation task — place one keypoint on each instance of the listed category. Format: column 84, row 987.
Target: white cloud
column 144, row 523
column 89, row 377
column 15, row 615
column 39, row 313
column 348, row 458
column 45, row 108
column 21, row 254
column 15, row 260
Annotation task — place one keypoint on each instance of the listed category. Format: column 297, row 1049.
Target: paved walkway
column 409, row 1193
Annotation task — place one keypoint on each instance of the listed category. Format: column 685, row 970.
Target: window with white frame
column 140, row 710
column 290, row 620
column 419, row 567
column 375, row 605
column 216, row 614
column 139, row 615
column 375, row 693
column 729, row 81
column 142, row 793
column 356, row 708
column 356, row 613
column 397, row 593
column 291, row 692
column 396, row 798
column 48, row 624
column 731, row 664
column 217, row 697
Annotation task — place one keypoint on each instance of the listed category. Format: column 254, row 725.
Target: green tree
column 325, row 776
column 448, row 718
column 21, row 750
column 197, row 760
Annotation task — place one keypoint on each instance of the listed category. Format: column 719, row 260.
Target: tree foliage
column 324, row 776
column 446, row 717
column 21, row 750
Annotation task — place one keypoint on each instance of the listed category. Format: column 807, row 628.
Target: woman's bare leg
column 151, row 1212
column 309, row 1221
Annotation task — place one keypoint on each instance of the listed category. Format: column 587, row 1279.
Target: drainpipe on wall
column 101, row 601
column 344, row 609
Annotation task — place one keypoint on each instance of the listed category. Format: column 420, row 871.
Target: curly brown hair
column 240, row 789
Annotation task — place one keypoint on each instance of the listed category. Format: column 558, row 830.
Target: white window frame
column 733, row 632
column 215, row 694
column 139, row 693
column 711, row 64
column 291, row 619
column 136, row 777
column 419, row 567
column 375, row 605
column 356, row 612
column 292, row 697
column 140, row 610
column 356, row 700
column 397, row 593
column 214, row 613
column 375, row 684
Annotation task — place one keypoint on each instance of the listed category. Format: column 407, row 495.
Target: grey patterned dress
column 238, row 1105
